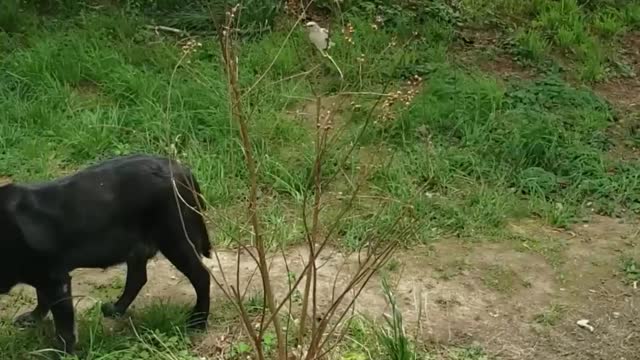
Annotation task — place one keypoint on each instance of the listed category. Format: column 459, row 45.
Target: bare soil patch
column 486, row 293
column 480, row 48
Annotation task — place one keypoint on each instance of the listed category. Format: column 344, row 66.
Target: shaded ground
column 519, row 299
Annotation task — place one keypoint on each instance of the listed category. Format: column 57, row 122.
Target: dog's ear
column 37, row 230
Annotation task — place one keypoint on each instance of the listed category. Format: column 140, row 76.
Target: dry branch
column 325, row 334
column 231, row 67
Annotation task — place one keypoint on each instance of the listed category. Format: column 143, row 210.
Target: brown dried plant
column 316, row 328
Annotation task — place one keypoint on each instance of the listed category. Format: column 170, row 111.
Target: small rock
column 616, row 314
column 584, row 323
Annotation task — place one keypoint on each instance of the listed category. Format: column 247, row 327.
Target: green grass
column 630, row 269
column 158, row 333
column 469, row 153
column 393, row 338
column 468, row 353
column 551, row 316
column 585, row 35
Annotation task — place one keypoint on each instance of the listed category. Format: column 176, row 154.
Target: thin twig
column 237, row 113
column 167, row 29
column 275, row 58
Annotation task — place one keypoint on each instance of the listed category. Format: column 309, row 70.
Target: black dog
column 122, row 210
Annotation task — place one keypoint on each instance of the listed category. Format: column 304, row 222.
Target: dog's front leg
column 59, row 293
column 41, row 310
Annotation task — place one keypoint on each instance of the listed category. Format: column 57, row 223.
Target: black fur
column 122, row 210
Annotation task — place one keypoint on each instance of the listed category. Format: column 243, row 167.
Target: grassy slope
column 472, row 151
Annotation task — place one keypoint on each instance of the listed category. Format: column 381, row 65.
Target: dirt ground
column 511, row 297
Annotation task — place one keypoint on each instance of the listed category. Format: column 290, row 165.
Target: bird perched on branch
column 319, row 36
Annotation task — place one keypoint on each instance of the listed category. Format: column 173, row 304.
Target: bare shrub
column 313, row 325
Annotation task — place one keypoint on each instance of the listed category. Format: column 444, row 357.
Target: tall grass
column 393, row 338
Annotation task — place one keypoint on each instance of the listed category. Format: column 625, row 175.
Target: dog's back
column 100, row 214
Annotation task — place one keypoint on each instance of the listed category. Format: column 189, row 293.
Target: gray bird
column 319, row 36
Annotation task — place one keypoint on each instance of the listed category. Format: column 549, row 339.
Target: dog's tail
column 205, row 246
column 193, row 192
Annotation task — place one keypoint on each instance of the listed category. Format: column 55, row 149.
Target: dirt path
column 519, row 299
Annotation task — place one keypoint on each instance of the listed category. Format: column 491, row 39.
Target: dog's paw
column 65, row 345
column 111, row 311
column 197, row 322
column 26, row 320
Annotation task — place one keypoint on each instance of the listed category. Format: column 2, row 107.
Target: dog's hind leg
column 136, row 279
column 183, row 256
